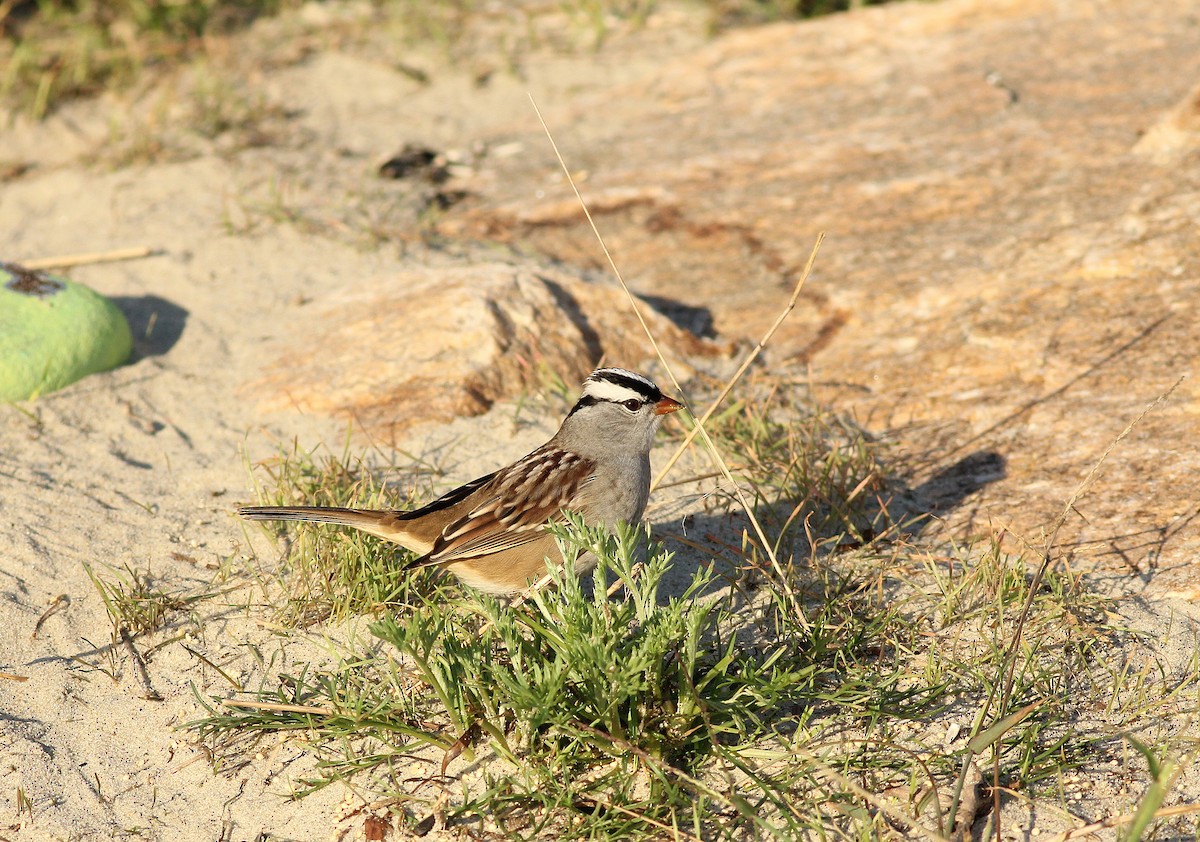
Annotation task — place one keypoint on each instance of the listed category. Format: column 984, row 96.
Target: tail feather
column 380, row 523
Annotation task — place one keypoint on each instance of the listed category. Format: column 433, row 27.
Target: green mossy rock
column 53, row 332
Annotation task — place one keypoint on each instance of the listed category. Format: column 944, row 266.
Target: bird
column 491, row 533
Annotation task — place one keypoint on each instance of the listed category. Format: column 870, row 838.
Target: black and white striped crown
column 618, row 384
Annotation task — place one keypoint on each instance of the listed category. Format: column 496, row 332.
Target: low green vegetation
column 849, row 677
column 863, row 694
column 135, row 608
column 133, row 604
column 745, row 12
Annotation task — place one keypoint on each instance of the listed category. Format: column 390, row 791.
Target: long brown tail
column 382, row 524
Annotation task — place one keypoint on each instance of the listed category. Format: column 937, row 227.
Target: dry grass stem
column 68, row 260
column 1121, row 820
column 139, row 668
column 746, row 363
column 59, row 602
column 1008, row 665
column 278, row 708
column 1051, row 541
column 1094, row 472
column 675, row 832
column 833, row 777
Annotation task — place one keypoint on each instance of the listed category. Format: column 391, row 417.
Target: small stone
column 54, row 332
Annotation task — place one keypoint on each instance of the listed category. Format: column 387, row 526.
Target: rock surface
column 430, row 345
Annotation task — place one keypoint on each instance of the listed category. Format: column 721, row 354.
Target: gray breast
column 619, row 491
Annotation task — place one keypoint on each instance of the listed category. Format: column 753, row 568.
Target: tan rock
column 439, row 343
column 1175, row 134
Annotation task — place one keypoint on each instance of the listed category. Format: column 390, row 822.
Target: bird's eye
column 633, row 404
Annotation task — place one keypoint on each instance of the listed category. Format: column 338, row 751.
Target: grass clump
column 579, row 694
column 815, row 478
column 330, row 574
column 600, row 716
column 134, row 605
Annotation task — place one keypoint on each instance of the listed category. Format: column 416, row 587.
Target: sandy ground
column 143, row 465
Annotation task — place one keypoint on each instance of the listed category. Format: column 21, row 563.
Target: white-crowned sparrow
column 491, row 533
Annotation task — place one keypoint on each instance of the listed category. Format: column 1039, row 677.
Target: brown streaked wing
column 515, row 508
column 447, row 500
column 427, row 523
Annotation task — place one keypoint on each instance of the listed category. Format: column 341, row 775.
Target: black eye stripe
column 586, row 400
column 631, row 404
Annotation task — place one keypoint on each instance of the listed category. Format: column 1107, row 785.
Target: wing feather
column 515, row 506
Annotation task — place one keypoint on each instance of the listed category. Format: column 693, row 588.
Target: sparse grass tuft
column 52, row 51
column 336, row 573
column 815, row 477
column 135, row 607
column 133, row 604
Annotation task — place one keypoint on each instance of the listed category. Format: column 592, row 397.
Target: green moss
column 54, row 332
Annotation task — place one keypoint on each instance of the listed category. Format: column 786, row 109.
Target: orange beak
column 667, row 406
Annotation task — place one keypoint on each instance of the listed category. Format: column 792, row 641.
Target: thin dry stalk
column 1094, row 472
column 66, row 261
column 783, row 580
column 143, row 675
column 60, row 601
column 675, row 832
column 277, row 707
column 746, row 363
column 834, row 777
column 1051, row 541
column 1123, row 819
column 695, row 784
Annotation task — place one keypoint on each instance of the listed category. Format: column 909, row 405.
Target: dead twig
column 60, row 601
column 831, row 775
column 66, row 261
column 143, row 675
column 1118, row 821
column 746, row 363
column 1010, row 656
